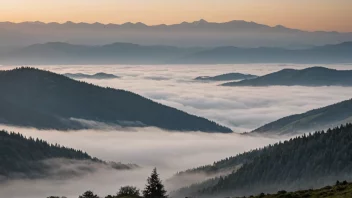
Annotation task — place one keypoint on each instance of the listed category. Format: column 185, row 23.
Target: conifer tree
column 154, row 187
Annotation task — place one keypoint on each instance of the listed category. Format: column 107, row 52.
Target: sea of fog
column 240, row 108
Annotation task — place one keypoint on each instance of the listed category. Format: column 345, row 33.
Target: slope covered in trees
column 307, row 161
column 313, row 76
column 28, row 157
column 317, row 119
column 226, row 77
column 45, row 100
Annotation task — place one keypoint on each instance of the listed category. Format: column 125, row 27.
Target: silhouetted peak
column 201, row 21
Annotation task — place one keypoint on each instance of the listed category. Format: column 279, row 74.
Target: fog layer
column 240, row 108
column 148, row 147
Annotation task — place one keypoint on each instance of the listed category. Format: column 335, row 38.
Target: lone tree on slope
column 154, row 187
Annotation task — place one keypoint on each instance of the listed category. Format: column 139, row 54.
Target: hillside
column 308, row 161
column 28, row 157
column 313, row 76
column 317, row 119
column 100, row 75
column 339, row 190
column 226, row 77
column 45, row 100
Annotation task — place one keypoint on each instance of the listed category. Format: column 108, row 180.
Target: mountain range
column 128, row 53
column 186, row 34
column 307, row 161
column 45, row 100
column 313, row 76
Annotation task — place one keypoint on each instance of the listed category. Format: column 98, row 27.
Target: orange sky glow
column 327, row 15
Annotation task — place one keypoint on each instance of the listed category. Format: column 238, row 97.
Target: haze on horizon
column 325, row 15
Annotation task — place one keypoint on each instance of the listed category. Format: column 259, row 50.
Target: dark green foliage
column 314, row 76
column 343, row 190
column 19, row 154
column 228, row 164
column 88, row 194
column 154, row 187
column 128, row 191
column 45, row 100
column 308, row 161
column 316, row 119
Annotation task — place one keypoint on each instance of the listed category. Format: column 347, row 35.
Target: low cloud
column 170, row 152
column 241, row 108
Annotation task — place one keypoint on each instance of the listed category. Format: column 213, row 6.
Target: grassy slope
column 342, row 190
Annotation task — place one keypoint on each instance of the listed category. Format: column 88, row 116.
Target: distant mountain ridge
column 317, row 119
column 128, row 53
column 313, row 76
column 45, row 100
column 338, row 53
column 186, row 34
column 100, row 75
column 226, row 77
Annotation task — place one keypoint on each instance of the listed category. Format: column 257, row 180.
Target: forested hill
column 27, row 157
column 19, row 155
column 45, row 100
column 313, row 76
column 308, row 161
column 226, row 77
column 317, row 119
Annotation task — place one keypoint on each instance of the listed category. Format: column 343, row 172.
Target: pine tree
column 154, row 187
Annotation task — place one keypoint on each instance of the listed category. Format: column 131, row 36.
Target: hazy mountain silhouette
column 45, row 100
column 128, row 53
column 198, row 33
column 313, row 76
column 100, row 75
column 226, row 77
column 339, row 53
column 317, row 119
column 64, row 53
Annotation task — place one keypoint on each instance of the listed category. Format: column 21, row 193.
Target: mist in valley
column 241, row 108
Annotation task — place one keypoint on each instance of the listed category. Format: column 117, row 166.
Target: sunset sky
column 329, row 15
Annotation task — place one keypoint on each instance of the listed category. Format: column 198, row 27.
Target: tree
column 128, row 191
column 88, row 194
column 154, row 187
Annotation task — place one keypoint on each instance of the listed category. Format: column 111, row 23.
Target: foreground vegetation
column 153, row 189
column 339, row 190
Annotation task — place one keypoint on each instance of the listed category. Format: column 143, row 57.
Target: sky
column 327, row 15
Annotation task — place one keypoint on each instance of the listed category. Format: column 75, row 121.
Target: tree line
column 153, row 189
column 308, row 161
